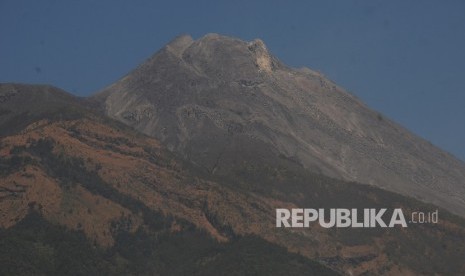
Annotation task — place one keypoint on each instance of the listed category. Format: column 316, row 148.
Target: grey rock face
column 218, row 99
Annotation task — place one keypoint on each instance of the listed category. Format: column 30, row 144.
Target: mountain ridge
column 240, row 90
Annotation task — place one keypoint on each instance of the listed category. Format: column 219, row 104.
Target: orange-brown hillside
column 87, row 175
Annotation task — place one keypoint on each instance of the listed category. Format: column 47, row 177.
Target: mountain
column 184, row 178
column 81, row 194
column 220, row 101
column 22, row 104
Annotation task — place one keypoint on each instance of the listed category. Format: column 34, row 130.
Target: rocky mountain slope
column 210, row 137
column 81, row 194
column 217, row 101
column 84, row 194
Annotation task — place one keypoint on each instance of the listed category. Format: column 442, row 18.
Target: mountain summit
column 220, row 101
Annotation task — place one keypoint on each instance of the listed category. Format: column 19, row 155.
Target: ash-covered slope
column 219, row 101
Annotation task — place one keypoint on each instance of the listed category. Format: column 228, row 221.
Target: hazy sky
column 405, row 59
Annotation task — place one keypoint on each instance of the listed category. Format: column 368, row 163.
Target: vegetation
column 288, row 181
column 36, row 247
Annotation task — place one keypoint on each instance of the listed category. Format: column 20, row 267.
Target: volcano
column 219, row 101
column 179, row 169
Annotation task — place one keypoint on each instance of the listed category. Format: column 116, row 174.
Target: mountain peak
column 215, row 41
column 238, row 93
column 179, row 44
column 262, row 56
column 257, row 44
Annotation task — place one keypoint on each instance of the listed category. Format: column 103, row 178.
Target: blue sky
column 405, row 59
